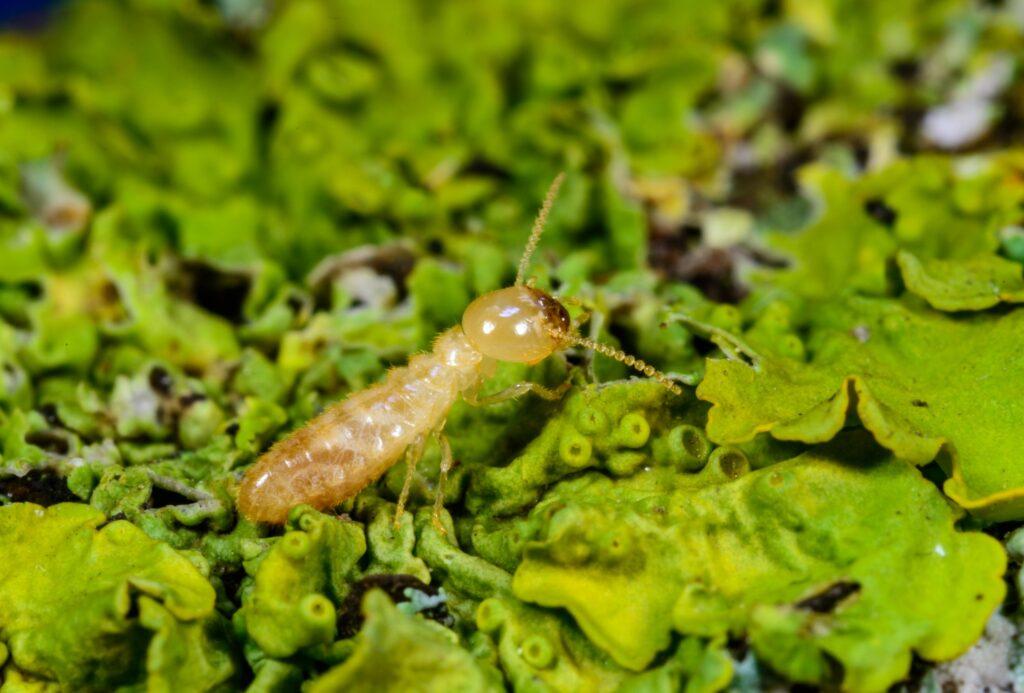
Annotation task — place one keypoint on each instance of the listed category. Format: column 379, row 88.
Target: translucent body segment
column 354, row 442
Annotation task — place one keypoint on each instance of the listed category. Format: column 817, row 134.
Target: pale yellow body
column 351, row 444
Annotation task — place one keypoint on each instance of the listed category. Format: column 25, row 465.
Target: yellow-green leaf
column 840, row 553
column 920, row 381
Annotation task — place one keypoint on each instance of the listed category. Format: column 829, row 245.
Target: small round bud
column 295, row 545
column 732, row 462
column 592, row 421
column 317, row 610
column 574, row 449
column 490, row 615
column 538, row 652
column 688, row 447
column 633, row 430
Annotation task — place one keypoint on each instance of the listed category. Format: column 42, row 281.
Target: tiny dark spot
column 790, row 107
column 949, row 687
column 861, row 154
column 483, row 167
column 221, row 293
column 110, row 293
column 906, row 69
column 160, row 380
column 32, row 290
column 268, row 116
column 294, row 303
column 161, row 497
column 232, row 578
column 880, row 212
column 49, row 412
column 738, row 647
column 350, row 614
column 232, row 429
column 435, row 246
column 40, row 486
column 919, row 403
column 49, row 441
column 979, row 597
column 191, row 398
column 828, row 599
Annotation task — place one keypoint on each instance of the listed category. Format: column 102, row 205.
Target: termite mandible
column 352, row 443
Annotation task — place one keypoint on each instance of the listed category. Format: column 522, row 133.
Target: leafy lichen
column 798, row 556
column 91, row 607
column 916, row 380
column 191, row 268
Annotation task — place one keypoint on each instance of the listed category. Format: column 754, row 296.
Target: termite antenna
column 628, row 359
column 538, row 227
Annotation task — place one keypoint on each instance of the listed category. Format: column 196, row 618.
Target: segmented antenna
column 538, row 228
column 631, row 361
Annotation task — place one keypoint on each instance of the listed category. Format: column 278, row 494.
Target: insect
column 352, row 443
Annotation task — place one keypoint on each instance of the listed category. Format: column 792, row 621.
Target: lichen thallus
column 352, row 443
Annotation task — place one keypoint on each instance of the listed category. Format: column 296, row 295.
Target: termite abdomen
column 354, row 442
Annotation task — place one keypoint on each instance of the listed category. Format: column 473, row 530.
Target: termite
column 352, row 443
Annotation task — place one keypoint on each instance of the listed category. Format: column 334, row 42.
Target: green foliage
column 289, row 606
column 917, row 380
column 801, row 556
column 192, row 267
column 597, row 427
column 91, row 607
column 395, row 651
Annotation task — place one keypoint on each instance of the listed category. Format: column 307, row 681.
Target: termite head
column 519, row 323
column 525, row 325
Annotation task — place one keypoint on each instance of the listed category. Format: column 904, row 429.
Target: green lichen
column 920, row 384
column 541, row 651
column 395, row 651
column 90, row 607
column 191, row 268
column 291, row 604
column 599, row 427
column 797, row 556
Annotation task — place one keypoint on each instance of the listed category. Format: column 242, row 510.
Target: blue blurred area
column 25, row 13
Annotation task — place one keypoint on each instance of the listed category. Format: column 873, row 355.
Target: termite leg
column 412, row 458
column 447, row 461
column 517, row 390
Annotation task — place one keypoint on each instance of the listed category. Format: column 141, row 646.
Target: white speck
column 958, row 123
column 939, row 551
column 508, row 311
column 862, row 333
column 522, row 328
column 487, row 327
